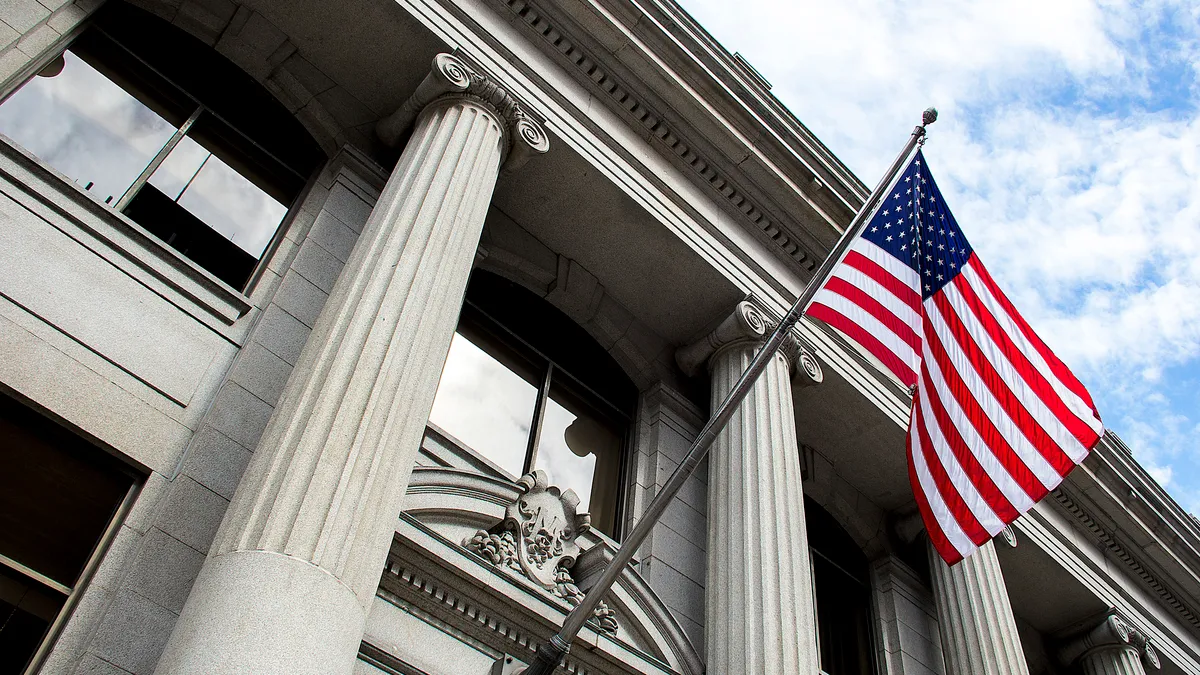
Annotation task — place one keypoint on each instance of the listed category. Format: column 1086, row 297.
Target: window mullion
column 158, row 160
column 539, row 412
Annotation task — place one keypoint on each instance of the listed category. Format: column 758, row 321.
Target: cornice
column 1072, row 505
column 803, row 248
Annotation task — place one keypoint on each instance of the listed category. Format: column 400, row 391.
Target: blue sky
column 1069, row 150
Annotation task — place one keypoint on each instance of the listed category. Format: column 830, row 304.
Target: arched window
column 526, row 388
column 165, row 130
column 842, row 585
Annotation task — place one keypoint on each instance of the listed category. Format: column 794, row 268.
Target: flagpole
column 550, row 654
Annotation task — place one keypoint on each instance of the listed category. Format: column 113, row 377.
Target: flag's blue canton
column 914, row 225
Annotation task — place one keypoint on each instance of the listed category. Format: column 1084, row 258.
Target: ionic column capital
column 1114, row 634
column 452, row 77
column 750, row 323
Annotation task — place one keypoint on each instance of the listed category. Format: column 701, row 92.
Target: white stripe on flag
column 992, row 466
column 907, row 275
column 869, row 323
column 1026, row 396
column 893, row 304
column 1077, row 405
column 1008, row 428
column 937, row 506
column 959, row 480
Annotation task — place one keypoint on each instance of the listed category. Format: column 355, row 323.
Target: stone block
column 22, row 15
column 308, row 75
column 7, row 35
column 300, row 298
column 239, row 415
column 216, row 461
column 94, row 665
column 331, row 233
column 192, row 513
column 133, row 633
column 678, row 592
column 141, row 516
column 686, row 522
column 205, row 19
column 281, row 333
column 261, row 372
column 66, row 19
column 347, row 207
column 54, row 5
column 36, row 42
column 164, row 570
column 345, row 108
column 119, row 555
column 11, row 63
column 317, row 265
column 681, row 554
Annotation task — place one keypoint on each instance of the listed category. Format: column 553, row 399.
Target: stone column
column 1111, row 648
column 759, row 609
column 979, row 633
column 297, row 560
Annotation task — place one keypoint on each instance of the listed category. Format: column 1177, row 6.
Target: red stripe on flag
column 933, row 528
column 1004, row 396
column 876, row 309
column 1028, row 372
column 869, row 342
column 907, row 294
column 954, row 501
column 992, row 438
column 1059, row 369
column 966, row 459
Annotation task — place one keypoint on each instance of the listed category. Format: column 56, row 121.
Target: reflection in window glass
column 226, row 201
column 87, row 127
column 484, row 404
column 581, row 452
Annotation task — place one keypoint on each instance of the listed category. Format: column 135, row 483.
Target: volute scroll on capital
column 1112, row 633
column 451, row 76
column 749, row 322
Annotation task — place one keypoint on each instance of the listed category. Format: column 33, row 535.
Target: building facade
column 351, row 337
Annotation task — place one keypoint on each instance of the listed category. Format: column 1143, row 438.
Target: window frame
column 117, row 206
column 482, row 326
column 73, row 594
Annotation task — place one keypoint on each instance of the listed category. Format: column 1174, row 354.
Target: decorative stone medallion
column 537, row 539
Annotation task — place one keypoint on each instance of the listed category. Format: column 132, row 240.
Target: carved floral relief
column 537, row 539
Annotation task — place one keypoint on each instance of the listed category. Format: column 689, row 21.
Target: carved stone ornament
column 749, row 322
column 537, row 539
column 452, row 76
column 1113, row 633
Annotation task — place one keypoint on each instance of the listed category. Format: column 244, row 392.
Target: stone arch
column 513, row 253
column 258, row 47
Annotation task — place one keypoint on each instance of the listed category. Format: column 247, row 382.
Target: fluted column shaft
column 759, row 600
column 297, row 560
column 1114, row 660
column 979, row 633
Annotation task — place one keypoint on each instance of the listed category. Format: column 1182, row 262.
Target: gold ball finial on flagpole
column 929, row 116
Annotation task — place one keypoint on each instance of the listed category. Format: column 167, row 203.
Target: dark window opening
column 58, row 497
column 842, row 586
column 162, row 128
column 527, row 388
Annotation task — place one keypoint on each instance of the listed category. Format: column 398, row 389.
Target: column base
column 264, row 613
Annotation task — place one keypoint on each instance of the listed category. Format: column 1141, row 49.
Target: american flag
column 997, row 420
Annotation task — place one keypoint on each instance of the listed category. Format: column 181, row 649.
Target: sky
column 1068, row 148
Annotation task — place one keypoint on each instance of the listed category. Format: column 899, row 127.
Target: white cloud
column 1067, row 148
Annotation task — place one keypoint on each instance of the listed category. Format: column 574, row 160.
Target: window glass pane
column 581, row 450
column 485, row 404
column 208, row 188
column 26, row 611
column 87, row 127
